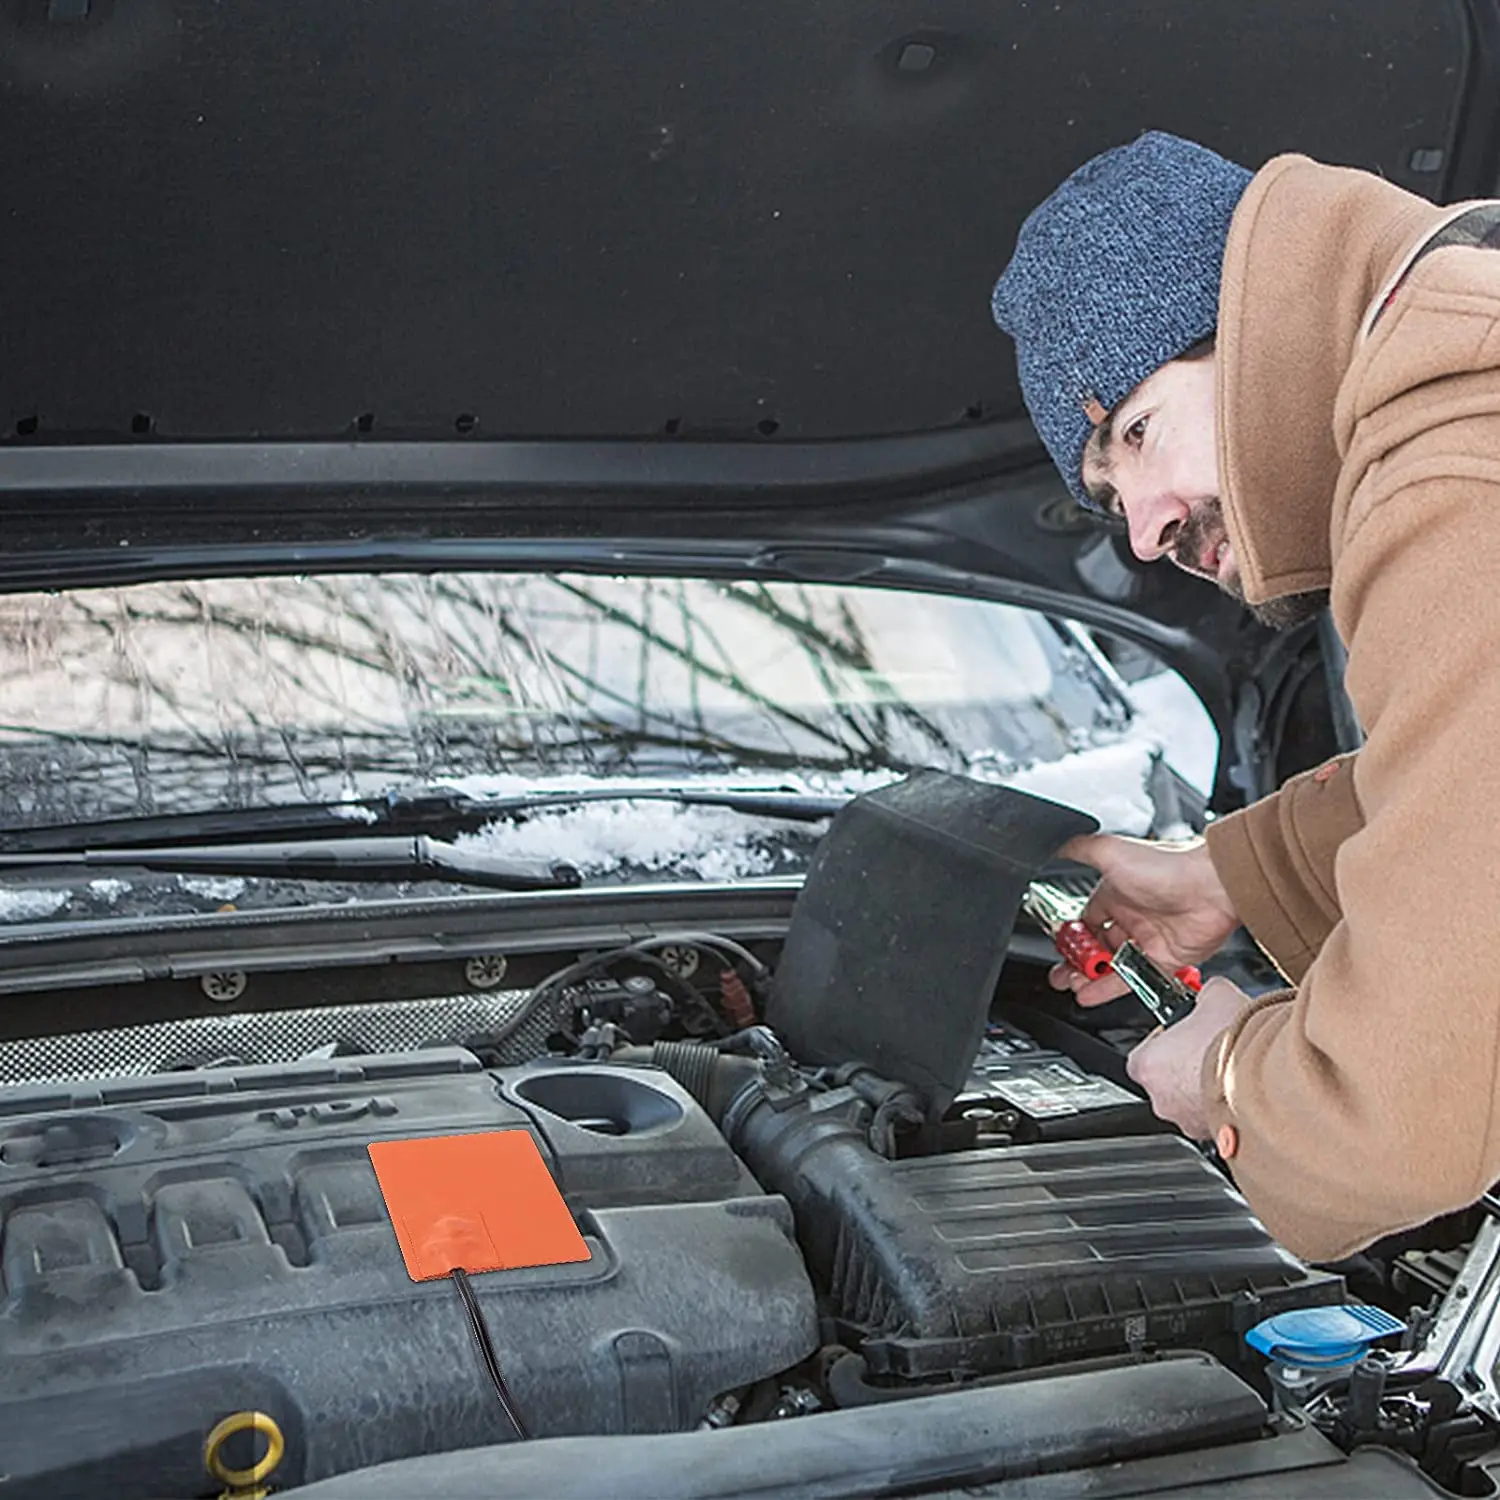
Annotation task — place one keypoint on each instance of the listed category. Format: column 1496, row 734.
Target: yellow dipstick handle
column 257, row 1473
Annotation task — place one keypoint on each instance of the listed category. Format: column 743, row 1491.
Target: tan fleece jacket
column 1368, row 460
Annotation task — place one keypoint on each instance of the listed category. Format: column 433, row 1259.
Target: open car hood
column 369, row 285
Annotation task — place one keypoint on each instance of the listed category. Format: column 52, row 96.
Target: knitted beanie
column 1114, row 275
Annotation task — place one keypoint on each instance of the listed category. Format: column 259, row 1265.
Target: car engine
column 218, row 1242
column 793, row 1200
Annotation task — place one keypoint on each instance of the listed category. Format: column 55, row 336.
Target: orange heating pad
column 480, row 1202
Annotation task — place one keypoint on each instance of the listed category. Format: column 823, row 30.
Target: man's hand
column 1167, row 897
column 1169, row 1064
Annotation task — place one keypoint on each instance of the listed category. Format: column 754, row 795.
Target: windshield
column 235, row 693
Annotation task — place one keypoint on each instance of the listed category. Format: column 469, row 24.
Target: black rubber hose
column 692, row 1066
column 712, row 1077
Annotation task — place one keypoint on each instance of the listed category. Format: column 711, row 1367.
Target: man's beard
column 1291, row 610
column 1205, row 526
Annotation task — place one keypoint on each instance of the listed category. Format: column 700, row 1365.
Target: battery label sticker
column 1054, row 1090
column 1030, row 1095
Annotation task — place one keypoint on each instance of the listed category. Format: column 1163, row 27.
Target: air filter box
column 1020, row 1257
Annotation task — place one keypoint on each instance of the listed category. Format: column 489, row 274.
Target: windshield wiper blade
column 388, row 858
column 281, row 821
column 796, row 807
column 430, row 810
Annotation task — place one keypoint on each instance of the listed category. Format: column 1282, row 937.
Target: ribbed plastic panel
column 1023, row 1256
column 282, row 1036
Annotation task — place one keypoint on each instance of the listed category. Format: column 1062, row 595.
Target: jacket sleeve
column 1368, row 1102
column 1276, row 860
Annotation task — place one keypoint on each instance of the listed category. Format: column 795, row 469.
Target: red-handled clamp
column 1169, row 997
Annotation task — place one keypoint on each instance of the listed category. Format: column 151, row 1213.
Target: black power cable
column 481, row 1331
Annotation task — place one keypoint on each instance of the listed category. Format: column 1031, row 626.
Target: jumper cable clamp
column 1169, row 997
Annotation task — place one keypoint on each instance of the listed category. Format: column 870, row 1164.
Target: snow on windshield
column 29, row 905
column 251, row 692
column 708, row 843
column 1169, row 709
column 703, row 843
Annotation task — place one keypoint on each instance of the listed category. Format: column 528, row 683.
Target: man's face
column 1154, row 464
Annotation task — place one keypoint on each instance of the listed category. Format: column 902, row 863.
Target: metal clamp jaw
column 1167, row 997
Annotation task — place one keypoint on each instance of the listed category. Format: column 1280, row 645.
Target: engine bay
column 221, row 1245
column 797, row 1201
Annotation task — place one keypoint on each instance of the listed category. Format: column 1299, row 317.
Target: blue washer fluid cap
column 1323, row 1336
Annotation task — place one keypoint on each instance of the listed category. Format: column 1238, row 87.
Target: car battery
column 1020, row 1091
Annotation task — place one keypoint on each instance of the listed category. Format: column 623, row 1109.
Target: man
column 1289, row 383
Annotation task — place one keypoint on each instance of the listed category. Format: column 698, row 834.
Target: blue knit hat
column 1113, row 276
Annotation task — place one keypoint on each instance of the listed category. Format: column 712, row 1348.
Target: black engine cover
column 183, row 1247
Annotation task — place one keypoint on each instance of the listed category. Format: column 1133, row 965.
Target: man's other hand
column 1169, row 1064
column 1167, row 897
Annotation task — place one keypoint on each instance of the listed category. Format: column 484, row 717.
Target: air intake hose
column 712, row 1077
